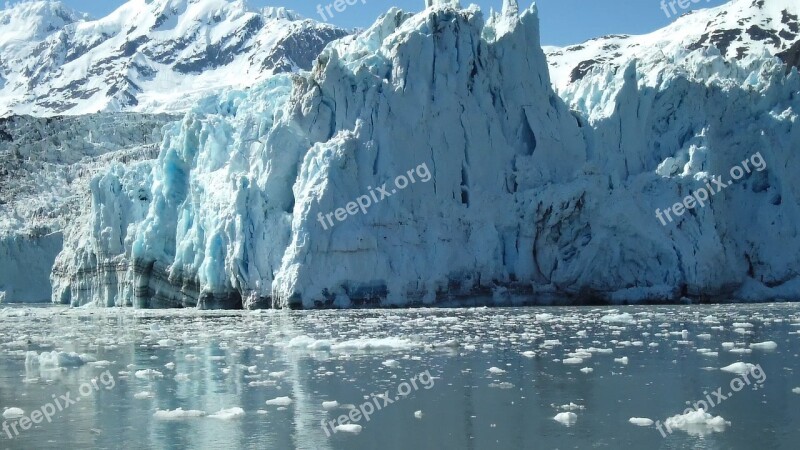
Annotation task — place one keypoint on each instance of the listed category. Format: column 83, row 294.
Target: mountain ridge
column 145, row 56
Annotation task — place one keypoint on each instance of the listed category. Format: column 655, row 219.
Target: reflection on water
column 499, row 377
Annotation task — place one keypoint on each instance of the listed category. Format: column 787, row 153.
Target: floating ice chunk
column 728, row 345
column 330, row 405
column 528, row 354
column 56, row 359
column 796, row 390
column 623, row 360
column 170, row 365
column 349, row 428
column 148, row 374
column 571, row 407
column 178, row 414
column 697, row 423
column 641, row 421
column 544, row 317
column 391, row 363
column 572, row 361
column 566, row 418
column 704, row 336
column 280, row 401
column 618, row 318
column 374, row 344
column 228, row 414
column 143, row 395
column 740, row 350
column 739, row 368
column 742, row 325
column 418, row 414
column 496, row 370
column 167, row 343
column 768, row 345
column 13, row 413
column 587, row 370
column 602, row 351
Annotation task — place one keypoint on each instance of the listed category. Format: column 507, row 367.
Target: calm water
column 498, row 377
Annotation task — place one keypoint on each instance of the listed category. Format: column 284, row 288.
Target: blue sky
column 563, row 21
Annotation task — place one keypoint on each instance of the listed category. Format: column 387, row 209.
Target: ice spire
column 429, row 3
column 510, row 7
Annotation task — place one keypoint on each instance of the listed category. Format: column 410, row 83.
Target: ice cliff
column 531, row 197
column 45, row 171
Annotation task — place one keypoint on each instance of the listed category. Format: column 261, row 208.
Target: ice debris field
column 275, row 376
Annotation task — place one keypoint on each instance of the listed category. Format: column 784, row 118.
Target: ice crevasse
column 528, row 200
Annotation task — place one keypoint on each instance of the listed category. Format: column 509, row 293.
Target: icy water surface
column 460, row 379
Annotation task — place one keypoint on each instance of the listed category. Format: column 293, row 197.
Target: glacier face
column 47, row 165
column 147, row 56
column 529, row 200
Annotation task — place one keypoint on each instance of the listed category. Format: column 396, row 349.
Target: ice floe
column 697, row 423
column 280, row 401
column 739, row 368
column 566, row 418
column 228, row 414
column 641, row 421
column 178, row 414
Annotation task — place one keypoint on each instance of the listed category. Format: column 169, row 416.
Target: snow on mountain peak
column 742, row 36
column 34, row 20
column 147, row 55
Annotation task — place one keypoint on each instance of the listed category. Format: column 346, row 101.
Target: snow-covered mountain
column 529, row 197
column 146, row 56
column 699, row 44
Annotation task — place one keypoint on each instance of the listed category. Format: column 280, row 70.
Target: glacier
column 47, row 166
column 79, row 79
column 536, row 195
